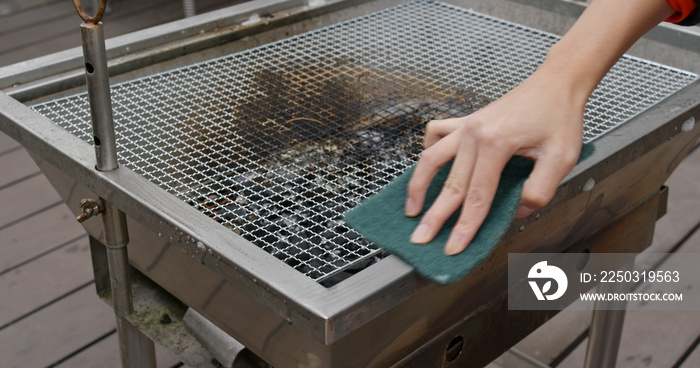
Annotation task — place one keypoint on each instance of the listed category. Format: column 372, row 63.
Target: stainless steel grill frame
column 384, row 315
column 273, row 142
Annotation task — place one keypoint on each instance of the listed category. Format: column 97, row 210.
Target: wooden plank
column 44, row 280
column 25, row 198
column 692, row 245
column 52, row 45
column 683, row 204
column 693, row 361
column 22, row 22
column 21, row 6
column 16, row 165
column 550, row 340
column 56, row 331
column 31, row 41
column 7, row 143
column 653, row 338
column 649, row 339
column 128, row 16
column 36, row 235
column 43, row 32
column 107, row 350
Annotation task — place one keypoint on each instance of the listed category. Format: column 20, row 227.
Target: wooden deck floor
column 51, row 317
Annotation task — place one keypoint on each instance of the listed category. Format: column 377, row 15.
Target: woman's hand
column 542, row 119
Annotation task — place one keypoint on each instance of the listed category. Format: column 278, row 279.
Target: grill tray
column 277, row 142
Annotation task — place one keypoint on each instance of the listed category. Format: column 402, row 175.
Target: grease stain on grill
column 314, row 142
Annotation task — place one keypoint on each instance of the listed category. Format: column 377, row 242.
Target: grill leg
column 137, row 350
column 606, row 326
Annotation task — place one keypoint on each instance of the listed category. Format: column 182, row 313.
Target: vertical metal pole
column 606, row 325
column 116, row 239
column 136, row 349
column 97, row 74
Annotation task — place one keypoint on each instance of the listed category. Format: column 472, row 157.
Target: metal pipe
column 97, row 75
column 116, row 239
column 604, row 339
column 136, row 349
column 606, row 325
column 190, row 8
column 120, row 281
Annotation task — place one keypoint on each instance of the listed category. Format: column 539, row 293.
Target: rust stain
column 87, row 18
column 295, row 119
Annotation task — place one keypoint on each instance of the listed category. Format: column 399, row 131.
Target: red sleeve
column 683, row 9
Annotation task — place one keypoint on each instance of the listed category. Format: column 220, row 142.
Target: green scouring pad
column 381, row 220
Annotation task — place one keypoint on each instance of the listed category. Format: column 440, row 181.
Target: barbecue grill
column 237, row 169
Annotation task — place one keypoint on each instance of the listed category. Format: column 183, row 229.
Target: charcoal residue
column 311, row 144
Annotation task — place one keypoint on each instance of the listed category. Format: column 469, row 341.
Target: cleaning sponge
column 381, row 220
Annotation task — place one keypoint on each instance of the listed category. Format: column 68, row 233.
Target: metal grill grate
column 277, row 142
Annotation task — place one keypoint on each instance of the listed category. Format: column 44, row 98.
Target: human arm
column 541, row 119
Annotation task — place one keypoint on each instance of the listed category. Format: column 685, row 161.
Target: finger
column 435, row 130
column 431, row 160
column 549, row 171
column 452, row 194
column 487, row 173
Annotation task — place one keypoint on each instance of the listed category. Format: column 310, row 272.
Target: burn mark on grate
column 309, row 148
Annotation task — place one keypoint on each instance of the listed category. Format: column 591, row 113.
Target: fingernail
column 455, row 244
column 421, row 235
column 410, row 207
column 524, row 211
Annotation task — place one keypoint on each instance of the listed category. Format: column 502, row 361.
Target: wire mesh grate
column 277, row 142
